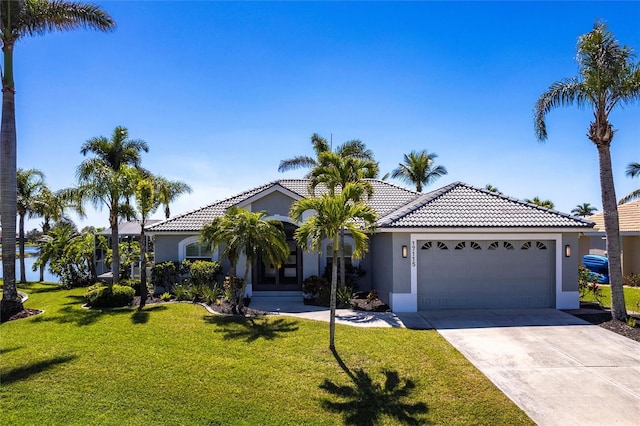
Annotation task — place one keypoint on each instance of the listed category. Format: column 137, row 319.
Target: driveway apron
column 559, row 369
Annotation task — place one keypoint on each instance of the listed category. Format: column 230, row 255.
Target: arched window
column 192, row 249
column 348, row 252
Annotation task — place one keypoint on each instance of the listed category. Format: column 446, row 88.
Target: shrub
column 164, row 274
column 343, row 295
column 101, row 296
column 313, row 284
column 184, row 292
column 208, row 294
column 204, row 272
column 632, row 280
column 373, row 295
column 352, row 275
column 165, row 297
column 587, row 282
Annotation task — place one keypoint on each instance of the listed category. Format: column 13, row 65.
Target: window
column 426, row 246
column 526, row 246
column 475, row 246
column 348, row 251
column 540, row 245
column 494, row 245
column 460, row 246
column 442, row 246
column 198, row 251
column 507, row 245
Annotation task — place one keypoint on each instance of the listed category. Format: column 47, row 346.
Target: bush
column 352, row 275
column 101, row 296
column 165, row 297
column 204, row 272
column 312, row 285
column 632, row 280
column 343, row 295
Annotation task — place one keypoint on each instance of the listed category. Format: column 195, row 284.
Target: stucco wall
column 166, row 247
column 401, row 266
column 570, row 264
column 275, row 203
column 631, row 255
column 381, row 269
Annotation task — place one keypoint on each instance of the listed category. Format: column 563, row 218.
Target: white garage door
column 486, row 274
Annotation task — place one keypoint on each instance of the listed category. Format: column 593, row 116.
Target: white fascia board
column 458, row 230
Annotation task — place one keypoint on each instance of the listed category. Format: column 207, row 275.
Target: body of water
column 28, row 263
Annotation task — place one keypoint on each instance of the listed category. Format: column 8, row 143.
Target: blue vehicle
column 598, row 265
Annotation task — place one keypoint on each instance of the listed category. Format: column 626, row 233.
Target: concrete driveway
column 559, row 369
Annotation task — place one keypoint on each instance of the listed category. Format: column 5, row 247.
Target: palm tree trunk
column 11, row 302
column 23, row 273
column 343, row 281
column 115, row 262
column 143, row 268
column 243, row 289
column 612, row 230
column 332, row 300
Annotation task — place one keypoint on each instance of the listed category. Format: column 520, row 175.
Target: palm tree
column 18, row 19
column 167, row 191
column 418, row 169
column 584, row 210
column 335, row 172
column 633, row 170
column 240, row 231
column 110, row 178
column 547, row 204
column 145, row 198
column 30, row 183
column 607, row 77
column 353, row 148
column 332, row 214
column 492, row 188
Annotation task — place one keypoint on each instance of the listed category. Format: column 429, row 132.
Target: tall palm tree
column 547, row 204
column 18, row 19
column 335, row 171
column 240, row 231
column 418, row 169
column 353, row 148
column 633, row 170
column 145, row 198
column 110, row 177
column 584, row 210
column 30, row 183
column 167, row 191
column 607, row 77
column 332, row 214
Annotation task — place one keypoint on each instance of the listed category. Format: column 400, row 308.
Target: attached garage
column 496, row 273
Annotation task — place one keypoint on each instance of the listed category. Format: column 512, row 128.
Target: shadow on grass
column 251, row 329
column 22, row 373
column 7, row 350
column 366, row 402
column 142, row 317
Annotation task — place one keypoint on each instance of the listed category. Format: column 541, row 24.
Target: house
column 456, row 247
column 595, row 242
column 127, row 232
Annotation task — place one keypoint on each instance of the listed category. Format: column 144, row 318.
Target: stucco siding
column 631, row 255
column 570, row 264
column 166, row 247
column 275, row 203
column 381, row 270
column 401, row 266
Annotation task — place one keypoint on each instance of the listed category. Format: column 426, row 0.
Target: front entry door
column 286, row 278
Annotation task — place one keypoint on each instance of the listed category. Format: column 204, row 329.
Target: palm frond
column 561, row 93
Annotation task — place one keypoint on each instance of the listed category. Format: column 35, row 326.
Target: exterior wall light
column 404, row 252
column 567, row 251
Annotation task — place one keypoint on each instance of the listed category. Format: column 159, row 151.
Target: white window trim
column 182, row 246
column 325, row 254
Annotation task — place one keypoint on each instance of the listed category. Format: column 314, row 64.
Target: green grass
column 631, row 297
column 177, row 364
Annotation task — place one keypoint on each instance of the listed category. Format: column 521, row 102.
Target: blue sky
column 222, row 91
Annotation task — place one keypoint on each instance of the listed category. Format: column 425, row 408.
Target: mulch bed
column 602, row 317
column 25, row 313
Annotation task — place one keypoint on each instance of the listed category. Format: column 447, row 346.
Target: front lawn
column 631, row 297
column 177, row 364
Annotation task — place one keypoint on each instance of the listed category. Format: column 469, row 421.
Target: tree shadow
column 7, row 350
column 75, row 300
column 251, row 329
column 142, row 317
column 365, row 402
column 24, row 372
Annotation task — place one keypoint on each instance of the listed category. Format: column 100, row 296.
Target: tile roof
column 465, row 206
column 129, row 228
column 629, row 218
column 386, row 198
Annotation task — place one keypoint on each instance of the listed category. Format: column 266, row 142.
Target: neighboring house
column 456, row 247
column 127, row 231
column 595, row 241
